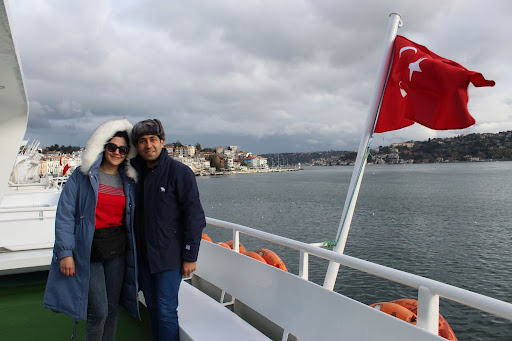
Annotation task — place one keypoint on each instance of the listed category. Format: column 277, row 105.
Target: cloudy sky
column 267, row 76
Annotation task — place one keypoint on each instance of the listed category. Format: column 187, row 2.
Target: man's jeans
column 105, row 283
column 161, row 295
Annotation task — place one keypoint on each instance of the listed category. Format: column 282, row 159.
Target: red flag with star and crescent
column 66, row 168
column 425, row 88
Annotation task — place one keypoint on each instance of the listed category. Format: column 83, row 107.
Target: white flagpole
column 364, row 145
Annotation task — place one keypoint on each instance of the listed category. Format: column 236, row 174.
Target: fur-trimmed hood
column 96, row 143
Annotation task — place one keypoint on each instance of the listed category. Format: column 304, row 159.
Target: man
column 169, row 221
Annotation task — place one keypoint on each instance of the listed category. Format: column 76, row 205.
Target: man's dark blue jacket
column 173, row 216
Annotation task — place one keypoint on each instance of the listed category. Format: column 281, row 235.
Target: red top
column 110, row 207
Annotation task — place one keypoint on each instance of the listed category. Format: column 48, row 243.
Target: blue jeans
column 161, row 295
column 105, row 283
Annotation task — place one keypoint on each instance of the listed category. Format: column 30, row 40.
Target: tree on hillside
column 384, row 150
column 63, row 149
column 216, row 162
column 53, row 148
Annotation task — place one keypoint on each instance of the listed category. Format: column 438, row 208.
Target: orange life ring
column 272, row 259
column 255, row 256
column 241, row 248
column 223, row 244
column 444, row 328
column 395, row 310
column 408, row 303
column 206, row 237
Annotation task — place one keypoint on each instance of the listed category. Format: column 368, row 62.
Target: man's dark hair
column 147, row 127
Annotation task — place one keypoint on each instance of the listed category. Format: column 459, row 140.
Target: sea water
column 448, row 222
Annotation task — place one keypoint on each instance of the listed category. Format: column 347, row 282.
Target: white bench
column 203, row 318
column 299, row 307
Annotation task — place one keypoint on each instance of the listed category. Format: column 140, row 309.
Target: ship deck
column 24, row 318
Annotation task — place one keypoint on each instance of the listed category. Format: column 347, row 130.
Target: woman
column 94, row 252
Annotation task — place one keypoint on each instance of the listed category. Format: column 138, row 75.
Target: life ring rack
column 263, row 255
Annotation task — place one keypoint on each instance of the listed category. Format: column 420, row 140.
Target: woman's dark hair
column 122, row 134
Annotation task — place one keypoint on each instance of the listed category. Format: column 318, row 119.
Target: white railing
column 36, row 209
column 429, row 290
column 28, row 209
column 15, row 185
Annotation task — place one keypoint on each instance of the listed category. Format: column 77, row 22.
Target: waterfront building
column 403, row 144
column 256, row 162
column 43, row 167
column 53, row 165
column 185, row 151
column 187, row 161
column 230, row 165
column 191, row 150
column 198, row 164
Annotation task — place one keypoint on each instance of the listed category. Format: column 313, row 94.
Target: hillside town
column 463, row 148
column 34, row 162
column 222, row 160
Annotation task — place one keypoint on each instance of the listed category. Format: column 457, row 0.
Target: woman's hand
column 67, row 266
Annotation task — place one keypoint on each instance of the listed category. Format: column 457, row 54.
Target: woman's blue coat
column 74, row 231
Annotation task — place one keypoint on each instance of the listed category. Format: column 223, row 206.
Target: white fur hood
column 96, row 144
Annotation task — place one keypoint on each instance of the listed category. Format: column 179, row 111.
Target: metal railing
column 39, row 209
column 429, row 291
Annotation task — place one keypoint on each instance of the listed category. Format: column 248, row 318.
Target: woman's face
column 115, row 158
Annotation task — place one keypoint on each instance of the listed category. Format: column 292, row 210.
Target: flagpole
column 362, row 154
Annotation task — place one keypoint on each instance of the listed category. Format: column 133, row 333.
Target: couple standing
column 129, row 216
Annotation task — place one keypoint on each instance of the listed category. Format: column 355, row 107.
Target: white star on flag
column 415, row 67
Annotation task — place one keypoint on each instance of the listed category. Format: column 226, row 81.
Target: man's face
column 150, row 147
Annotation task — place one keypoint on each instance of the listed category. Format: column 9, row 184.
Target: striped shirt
column 111, row 201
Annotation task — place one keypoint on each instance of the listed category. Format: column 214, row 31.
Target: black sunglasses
column 111, row 147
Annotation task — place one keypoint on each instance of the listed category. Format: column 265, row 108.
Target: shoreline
column 251, row 171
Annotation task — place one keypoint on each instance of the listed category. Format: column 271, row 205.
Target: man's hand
column 188, row 268
column 67, row 266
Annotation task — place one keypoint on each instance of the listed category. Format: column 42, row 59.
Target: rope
column 329, row 243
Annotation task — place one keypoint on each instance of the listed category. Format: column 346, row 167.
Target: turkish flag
column 66, row 168
column 425, row 88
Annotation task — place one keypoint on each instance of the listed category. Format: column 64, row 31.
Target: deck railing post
column 304, row 265
column 428, row 310
column 236, row 240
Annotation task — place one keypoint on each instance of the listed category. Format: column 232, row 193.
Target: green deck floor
column 22, row 316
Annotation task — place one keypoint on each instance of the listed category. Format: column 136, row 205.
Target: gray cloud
column 273, row 76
